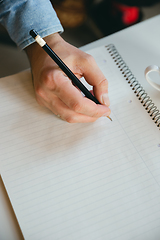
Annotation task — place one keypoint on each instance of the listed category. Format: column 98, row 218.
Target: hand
column 55, row 90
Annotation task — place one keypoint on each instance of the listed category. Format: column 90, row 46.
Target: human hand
column 55, row 90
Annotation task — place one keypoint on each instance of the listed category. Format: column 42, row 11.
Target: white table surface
column 140, row 46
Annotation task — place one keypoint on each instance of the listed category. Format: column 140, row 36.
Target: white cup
column 148, row 70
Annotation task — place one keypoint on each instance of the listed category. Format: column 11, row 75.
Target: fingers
column 94, row 76
column 62, row 88
column 62, row 111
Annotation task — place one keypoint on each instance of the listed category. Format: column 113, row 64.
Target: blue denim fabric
column 20, row 16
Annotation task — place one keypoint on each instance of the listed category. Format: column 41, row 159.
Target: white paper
column 81, row 181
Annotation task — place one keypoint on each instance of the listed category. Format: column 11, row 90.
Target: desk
column 131, row 44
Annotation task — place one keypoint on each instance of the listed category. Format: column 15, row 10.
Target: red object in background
column 130, row 15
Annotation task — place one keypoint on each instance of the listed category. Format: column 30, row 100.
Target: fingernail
column 105, row 99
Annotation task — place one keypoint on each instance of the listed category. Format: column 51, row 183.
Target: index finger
column 73, row 98
column 95, row 77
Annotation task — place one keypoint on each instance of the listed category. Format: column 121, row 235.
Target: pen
column 63, row 66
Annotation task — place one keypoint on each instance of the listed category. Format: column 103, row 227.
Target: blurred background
column 84, row 21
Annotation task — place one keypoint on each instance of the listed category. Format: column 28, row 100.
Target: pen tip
column 109, row 118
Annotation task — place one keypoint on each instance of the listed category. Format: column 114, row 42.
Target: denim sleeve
column 20, row 16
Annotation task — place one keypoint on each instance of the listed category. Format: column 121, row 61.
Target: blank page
column 80, row 181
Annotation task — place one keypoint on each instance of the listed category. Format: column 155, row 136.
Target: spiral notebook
column 141, row 94
column 89, row 181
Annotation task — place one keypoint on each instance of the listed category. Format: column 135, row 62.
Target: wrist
column 34, row 51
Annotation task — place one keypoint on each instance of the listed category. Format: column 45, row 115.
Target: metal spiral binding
column 135, row 85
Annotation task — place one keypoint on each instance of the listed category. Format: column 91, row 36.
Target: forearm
column 20, row 16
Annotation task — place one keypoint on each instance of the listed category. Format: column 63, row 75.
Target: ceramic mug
column 148, row 70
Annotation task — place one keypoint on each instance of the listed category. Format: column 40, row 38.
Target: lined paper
column 80, row 181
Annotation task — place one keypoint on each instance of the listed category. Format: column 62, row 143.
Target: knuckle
column 39, row 91
column 41, row 94
column 70, row 119
column 89, row 59
column 47, row 79
column 104, row 83
column 76, row 107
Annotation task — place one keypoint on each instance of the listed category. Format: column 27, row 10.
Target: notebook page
column 80, row 181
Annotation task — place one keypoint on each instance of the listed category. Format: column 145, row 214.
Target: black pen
column 63, row 66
